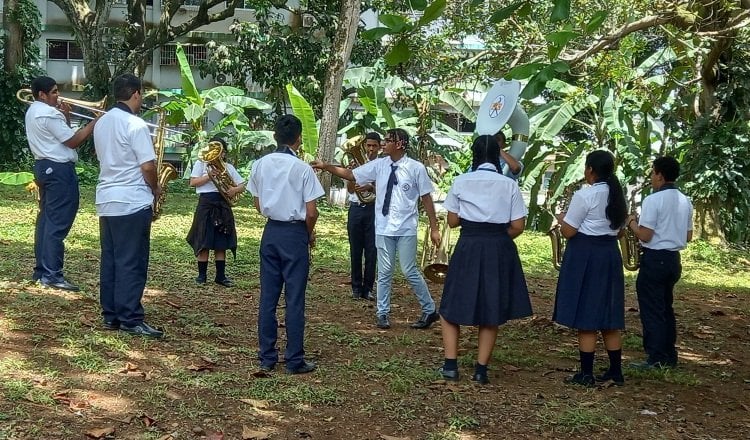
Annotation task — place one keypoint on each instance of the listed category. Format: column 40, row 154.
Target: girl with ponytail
column 591, row 286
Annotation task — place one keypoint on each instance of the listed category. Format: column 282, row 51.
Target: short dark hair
column 399, row 134
column 42, row 84
column 500, row 137
column 220, row 140
column 373, row 135
column 668, row 167
column 125, row 85
column 288, row 129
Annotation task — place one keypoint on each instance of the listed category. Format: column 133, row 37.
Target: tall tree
column 341, row 51
column 90, row 19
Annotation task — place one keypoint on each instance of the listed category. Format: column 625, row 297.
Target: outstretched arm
column 342, row 172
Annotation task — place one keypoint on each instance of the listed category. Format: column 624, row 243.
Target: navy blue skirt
column 213, row 225
column 591, row 286
column 485, row 284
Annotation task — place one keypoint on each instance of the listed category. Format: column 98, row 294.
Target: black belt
column 659, row 251
column 286, row 222
column 361, row 205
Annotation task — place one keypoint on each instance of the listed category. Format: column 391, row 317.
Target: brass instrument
column 96, row 107
column 212, row 156
column 555, row 234
column 356, row 152
column 435, row 259
column 165, row 171
column 630, row 246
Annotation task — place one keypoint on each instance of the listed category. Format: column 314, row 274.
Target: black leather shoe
column 200, row 279
column 306, row 367
column 267, row 368
column 111, row 325
column 450, row 375
column 368, row 296
column 383, row 321
column 62, row 285
column 142, row 329
column 480, row 378
column 426, row 320
column 617, row 379
column 585, row 380
column 649, row 366
column 226, row 282
column 356, row 294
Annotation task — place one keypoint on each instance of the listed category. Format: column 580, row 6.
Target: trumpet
column 95, row 107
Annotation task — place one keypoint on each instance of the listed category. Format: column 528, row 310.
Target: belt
column 361, row 205
column 288, row 222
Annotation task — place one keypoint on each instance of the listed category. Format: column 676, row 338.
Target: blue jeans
column 406, row 247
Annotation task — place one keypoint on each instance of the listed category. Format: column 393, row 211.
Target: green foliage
column 304, row 112
column 14, row 153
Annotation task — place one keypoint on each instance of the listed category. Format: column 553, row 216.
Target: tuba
column 630, row 246
column 435, row 258
column 212, row 156
column 356, row 153
column 165, row 171
column 555, row 234
column 501, row 106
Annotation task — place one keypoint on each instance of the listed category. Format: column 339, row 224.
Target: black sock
column 587, row 362
column 450, row 364
column 202, row 268
column 220, row 265
column 615, row 361
column 480, row 369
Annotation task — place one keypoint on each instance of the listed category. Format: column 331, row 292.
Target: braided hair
column 602, row 163
column 485, row 150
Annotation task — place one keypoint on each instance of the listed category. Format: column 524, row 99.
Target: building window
column 63, row 50
column 194, row 53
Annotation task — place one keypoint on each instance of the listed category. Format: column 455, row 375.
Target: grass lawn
column 63, row 377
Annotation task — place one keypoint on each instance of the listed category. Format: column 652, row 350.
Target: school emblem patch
column 406, row 187
column 497, row 106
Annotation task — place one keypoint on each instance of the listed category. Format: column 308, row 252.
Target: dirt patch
column 65, row 378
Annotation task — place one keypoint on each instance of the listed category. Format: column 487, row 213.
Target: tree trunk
column 13, row 37
column 342, row 50
column 707, row 224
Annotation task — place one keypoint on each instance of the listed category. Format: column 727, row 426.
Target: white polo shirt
column 200, row 169
column 669, row 214
column 283, row 184
column 586, row 212
column 46, row 130
column 412, row 183
column 485, row 196
column 123, row 143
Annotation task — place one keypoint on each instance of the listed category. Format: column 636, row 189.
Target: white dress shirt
column 283, row 184
column 412, row 183
column 46, row 130
column 485, row 196
column 669, row 214
column 586, row 212
column 200, row 169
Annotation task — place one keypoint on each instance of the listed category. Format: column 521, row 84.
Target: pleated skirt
column 485, row 284
column 591, row 285
column 213, row 225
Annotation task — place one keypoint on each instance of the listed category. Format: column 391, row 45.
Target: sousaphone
column 500, row 107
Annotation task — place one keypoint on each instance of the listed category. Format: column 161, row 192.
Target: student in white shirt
column 664, row 229
column 591, row 287
column 485, row 285
column 285, row 191
column 53, row 144
column 127, row 188
column 213, row 225
column 400, row 183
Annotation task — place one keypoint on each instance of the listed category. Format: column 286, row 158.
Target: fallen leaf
column 201, row 367
column 166, row 437
column 85, row 321
column 100, row 432
column 129, row 366
column 262, row 404
column 647, row 412
column 147, row 420
column 215, row 436
column 172, row 395
column 208, row 360
column 390, row 437
column 249, row 434
column 261, row 373
column 511, row 368
column 170, row 303
column 77, row 405
column 717, row 313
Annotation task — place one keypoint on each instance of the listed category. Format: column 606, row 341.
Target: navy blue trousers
column 360, row 225
column 284, row 263
column 659, row 272
column 125, row 242
column 58, row 205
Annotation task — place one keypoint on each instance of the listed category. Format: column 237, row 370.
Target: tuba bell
column 356, row 152
column 435, row 259
column 212, row 156
column 500, row 107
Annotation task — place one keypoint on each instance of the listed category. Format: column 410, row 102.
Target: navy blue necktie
column 389, row 190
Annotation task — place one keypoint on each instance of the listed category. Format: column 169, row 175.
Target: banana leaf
column 304, row 112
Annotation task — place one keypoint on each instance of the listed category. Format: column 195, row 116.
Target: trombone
column 95, row 107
